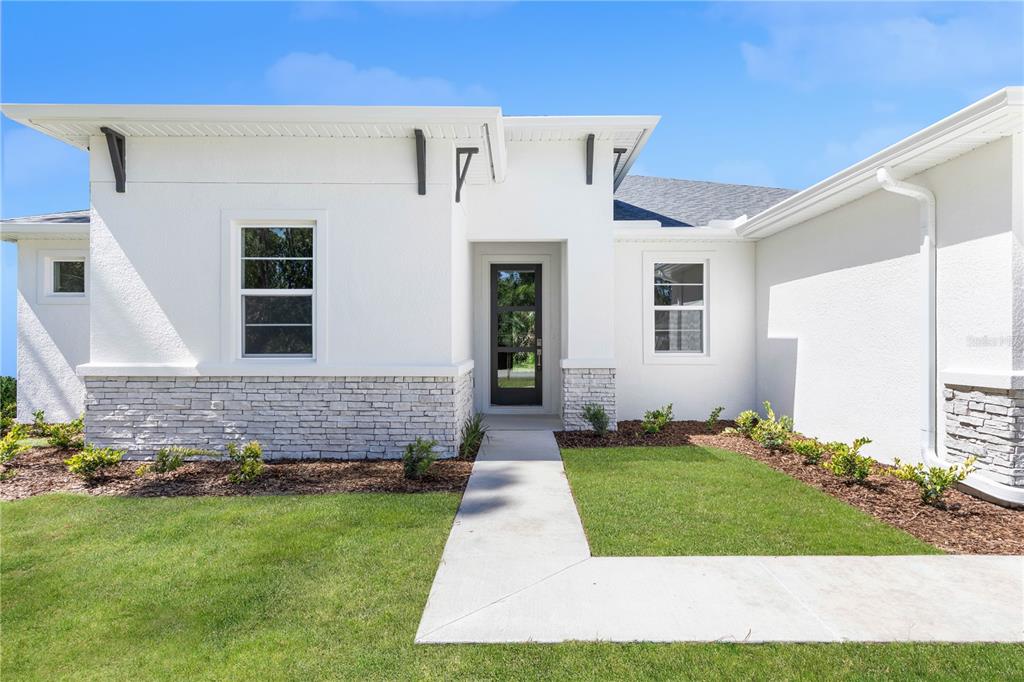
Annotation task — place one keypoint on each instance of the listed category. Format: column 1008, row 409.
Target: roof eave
column 16, row 231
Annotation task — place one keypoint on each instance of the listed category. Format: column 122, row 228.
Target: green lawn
column 698, row 501
column 321, row 587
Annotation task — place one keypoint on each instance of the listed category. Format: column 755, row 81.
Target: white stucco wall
column 694, row 386
column 53, row 338
column 839, row 314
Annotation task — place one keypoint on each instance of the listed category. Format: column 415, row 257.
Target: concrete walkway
column 517, row 568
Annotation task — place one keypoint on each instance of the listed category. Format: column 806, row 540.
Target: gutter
column 976, row 483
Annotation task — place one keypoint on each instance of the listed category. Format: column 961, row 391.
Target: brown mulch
column 42, row 470
column 964, row 525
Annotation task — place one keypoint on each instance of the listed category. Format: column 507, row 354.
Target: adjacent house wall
column 53, row 338
column 839, row 304
column 694, row 386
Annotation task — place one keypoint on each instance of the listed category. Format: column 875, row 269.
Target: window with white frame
column 680, row 307
column 277, row 291
column 63, row 276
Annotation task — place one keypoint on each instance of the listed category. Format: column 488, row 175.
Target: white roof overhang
column 998, row 115
column 13, row 231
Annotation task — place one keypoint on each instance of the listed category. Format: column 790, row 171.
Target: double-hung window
column 277, row 291
column 680, row 307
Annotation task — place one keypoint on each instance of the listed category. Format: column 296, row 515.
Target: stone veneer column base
column 582, row 386
column 989, row 424
column 292, row 417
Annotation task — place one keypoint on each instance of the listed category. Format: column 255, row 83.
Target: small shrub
column 10, row 445
column 847, row 462
column 933, row 482
column 92, row 460
column 770, row 432
column 746, row 421
column 8, row 403
column 249, row 459
column 656, row 420
column 712, row 421
column 418, row 457
column 66, row 436
column 811, row 450
column 473, row 432
column 39, row 426
column 170, row 458
column 597, row 417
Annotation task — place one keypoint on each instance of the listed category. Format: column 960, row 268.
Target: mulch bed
column 965, row 525
column 42, row 470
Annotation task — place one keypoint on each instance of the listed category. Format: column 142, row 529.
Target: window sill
column 678, row 359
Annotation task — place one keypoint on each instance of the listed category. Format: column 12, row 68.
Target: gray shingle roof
column 686, row 203
column 65, row 217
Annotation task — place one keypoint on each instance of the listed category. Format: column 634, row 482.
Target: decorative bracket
column 421, row 162
column 116, row 146
column 460, row 169
column 619, row 151
column 590, row 159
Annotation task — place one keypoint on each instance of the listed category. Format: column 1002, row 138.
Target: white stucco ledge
column 587, row 363
column 999, row 380
column 277, row 368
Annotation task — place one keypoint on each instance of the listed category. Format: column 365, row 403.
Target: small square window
column 69, row 277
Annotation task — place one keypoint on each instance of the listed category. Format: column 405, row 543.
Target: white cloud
column 744, row 172
column 321, row 78
column 808, row 46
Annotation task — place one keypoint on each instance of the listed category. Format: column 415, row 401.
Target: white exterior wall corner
column 839, row 331
column 53, row 338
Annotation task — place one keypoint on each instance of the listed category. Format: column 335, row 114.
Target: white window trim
column 44, row 292
column 232, row 223
column 651, row 357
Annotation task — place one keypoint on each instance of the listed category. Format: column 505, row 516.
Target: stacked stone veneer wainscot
column 989, row 424
column 582, row 386
column 292, row 417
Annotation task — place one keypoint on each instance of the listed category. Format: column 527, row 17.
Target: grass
column 674, row 501
column 322, row 587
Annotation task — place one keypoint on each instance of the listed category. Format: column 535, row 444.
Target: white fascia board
column 13, row 232
column 652, row 231
column 983, row 120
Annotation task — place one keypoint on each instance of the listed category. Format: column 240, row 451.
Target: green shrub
column 656, row 420
column 473, row 432
column 933, row 482
column 712, row 421
column 810, row 449
column 746, row 421
column 8, row 403
column 418, row 457
column 92, row 460
column 770, row 432
column 67, row 436
column 249, row 459
column 10, row 445
column 847, row 462
column 39, row 426
column 597, row 417
column 170, row 458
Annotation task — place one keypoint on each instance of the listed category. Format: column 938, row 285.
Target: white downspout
column 987, row 488
column 929, row 364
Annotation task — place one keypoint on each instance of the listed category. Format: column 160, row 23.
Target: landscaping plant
column 656, row 420
column 473, row 432
column 770, row 432
column 39, row 426
column 746, row 421
column 91, row 460
column 249, row 459
column 847, row 462
column 597, row 417
column 10, row 445
column 8, row 403
column 712, row 421
column 933, row 481
column 810, row 449
column 418, row 457
column 66, row 436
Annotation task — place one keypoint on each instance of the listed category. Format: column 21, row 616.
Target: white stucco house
column 335, row 281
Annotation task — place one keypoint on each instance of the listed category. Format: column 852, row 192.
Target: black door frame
column 518, row 396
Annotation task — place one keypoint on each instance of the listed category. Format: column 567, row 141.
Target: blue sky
column 763, row 93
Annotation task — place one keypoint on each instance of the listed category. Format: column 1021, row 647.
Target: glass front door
column 516, row 342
